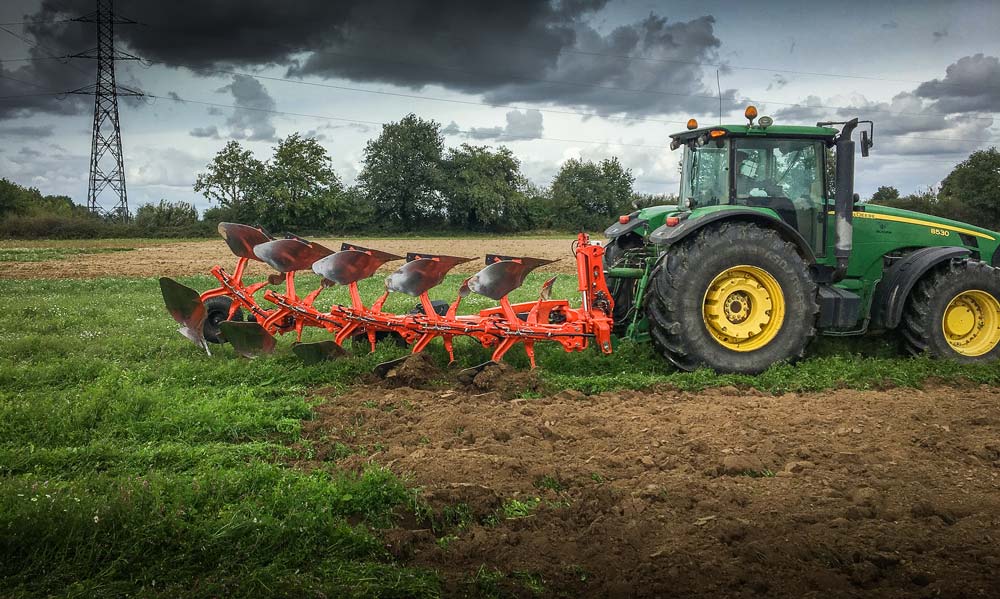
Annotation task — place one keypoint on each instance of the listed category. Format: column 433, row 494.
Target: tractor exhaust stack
column 844, row 200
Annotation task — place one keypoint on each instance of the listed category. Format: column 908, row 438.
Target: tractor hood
column 899, row 215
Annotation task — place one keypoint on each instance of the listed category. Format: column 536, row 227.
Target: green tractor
column 769, row 246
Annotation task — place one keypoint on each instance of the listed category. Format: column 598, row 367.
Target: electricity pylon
column 107, row 169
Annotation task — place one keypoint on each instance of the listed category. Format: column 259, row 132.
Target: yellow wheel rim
column 971, row 323
column 744, row 308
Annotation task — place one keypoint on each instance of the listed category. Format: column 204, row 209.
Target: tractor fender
column 668, row 236
column 897, row 282
column 618, row 229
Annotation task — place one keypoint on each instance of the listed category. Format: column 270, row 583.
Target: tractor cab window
column 705, row 174
column 785, row 175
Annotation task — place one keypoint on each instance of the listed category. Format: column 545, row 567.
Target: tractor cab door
column 785, row 175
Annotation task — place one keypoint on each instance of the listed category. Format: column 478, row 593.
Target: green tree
column 14, row 199
column 401, row 175
column 484, row 190
column 975, row 183
column 586, row 195
column 885, row 195
column 300, row 185
column 165, row 215
column 233, row 179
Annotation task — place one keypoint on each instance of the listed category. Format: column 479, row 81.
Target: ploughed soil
column 149, row 258
column 662, row 493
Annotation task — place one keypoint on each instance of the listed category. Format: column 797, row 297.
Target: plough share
column 216, row 316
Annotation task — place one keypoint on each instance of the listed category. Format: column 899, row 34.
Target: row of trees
column 970, row 193
column 409, row 182
column 26, row 213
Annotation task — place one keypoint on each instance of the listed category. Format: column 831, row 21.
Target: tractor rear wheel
column 217, row 309
column 735, row 298
column 954, row 312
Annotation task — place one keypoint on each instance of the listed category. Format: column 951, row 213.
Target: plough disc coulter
column 284, row 310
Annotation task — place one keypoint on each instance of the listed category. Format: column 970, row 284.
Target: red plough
column 499, row 328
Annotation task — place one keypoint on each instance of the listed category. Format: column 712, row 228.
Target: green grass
column 40, row 254
column 131, row 463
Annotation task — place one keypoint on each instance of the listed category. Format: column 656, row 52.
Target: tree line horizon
column 410, row 182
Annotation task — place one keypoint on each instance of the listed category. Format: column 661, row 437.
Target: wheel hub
column 744, row 308
column 971, row 323
column 737, row 307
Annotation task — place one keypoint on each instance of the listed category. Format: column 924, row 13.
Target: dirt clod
column 504, row 380
column 416, row 370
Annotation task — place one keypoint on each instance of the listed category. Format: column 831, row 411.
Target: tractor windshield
column 785, row 175
column 705, row 175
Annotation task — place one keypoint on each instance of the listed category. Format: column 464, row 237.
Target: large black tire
column 676, row 299
column 218, row 311
column 924, row 318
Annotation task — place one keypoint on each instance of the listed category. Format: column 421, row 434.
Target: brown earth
column 664, row 493
column 183, row 258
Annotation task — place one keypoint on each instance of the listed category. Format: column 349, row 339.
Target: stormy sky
column 551, row 80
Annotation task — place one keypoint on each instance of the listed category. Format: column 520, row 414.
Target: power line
column 418, row 96
column 179, row 99
column 632, row 57
column 489, row 105
column 379, row 123
column 35, row 95
column 39, row 22
column 32, row 43
column 31, row 83
column 52, row 53
column 34, row 58
column 627, row 89
column 549, row 81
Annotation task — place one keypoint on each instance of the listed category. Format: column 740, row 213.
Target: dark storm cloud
column 666, row 80
column 31, row 81
column 970, row 84
column 519, row 50
column 199, row 33
column 535, row 54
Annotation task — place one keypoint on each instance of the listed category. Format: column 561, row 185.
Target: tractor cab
column 781, row 168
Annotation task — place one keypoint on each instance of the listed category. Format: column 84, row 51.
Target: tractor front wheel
column 954, row 312
column 217, row 309
column 734, row 298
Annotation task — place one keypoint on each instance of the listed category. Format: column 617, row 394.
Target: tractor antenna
column 718, row 84
column 106, row 137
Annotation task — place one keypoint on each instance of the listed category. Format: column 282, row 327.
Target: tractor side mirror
column 866, row 143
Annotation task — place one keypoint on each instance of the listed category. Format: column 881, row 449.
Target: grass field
column 133, row 464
